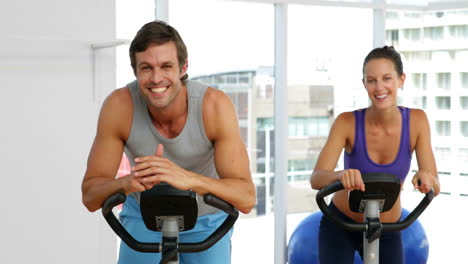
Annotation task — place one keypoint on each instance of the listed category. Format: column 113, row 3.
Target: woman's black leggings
column 337, row 246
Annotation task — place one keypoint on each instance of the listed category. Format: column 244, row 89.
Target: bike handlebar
column 209, row 199
column 337, row 186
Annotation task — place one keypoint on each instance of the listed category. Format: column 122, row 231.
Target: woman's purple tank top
column 359, row 158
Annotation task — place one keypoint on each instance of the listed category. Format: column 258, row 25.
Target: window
column 464, row 102
column 442, row 153
column 417, row 56
column 443, row 80
column 308, row 126
column 442, row 128
column 443, row 102
column 299, row 170
column 464, row 128
column 434, row 33
column 464, row 79
column 424, row 102
column 392, row 36
column 300, row 126
column 435, row 56
column 231, row 79
column 245, row 78
column 219, row 79
column 420, row 102
column 420, row 80
column 459, row 31
column 462, row 154
column 412, row 34
column 300, row 165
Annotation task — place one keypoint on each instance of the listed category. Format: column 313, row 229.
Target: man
column 174, row 131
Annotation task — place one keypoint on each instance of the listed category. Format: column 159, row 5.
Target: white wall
column 47, row 123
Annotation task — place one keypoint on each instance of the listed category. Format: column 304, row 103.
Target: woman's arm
column 427, row 172
column 324, row 172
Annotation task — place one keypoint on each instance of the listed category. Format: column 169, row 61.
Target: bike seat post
column 374, row 228
column 170, row 237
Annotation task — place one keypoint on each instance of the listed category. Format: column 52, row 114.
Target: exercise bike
column 169, row 210
column 382, row 191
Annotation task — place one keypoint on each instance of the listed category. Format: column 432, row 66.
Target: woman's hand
column 428, row 180
column 351, row 180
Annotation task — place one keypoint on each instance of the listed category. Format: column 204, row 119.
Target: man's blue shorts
column 219, row 253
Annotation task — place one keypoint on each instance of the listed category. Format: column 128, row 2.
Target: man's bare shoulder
column 219, row 113
column 117, row 112
column 120, row 96
column 215, row 98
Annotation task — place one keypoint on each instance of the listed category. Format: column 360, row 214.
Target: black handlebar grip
column 114, row 223
column 233, row 214
column 216, row 202
column 412, row 216
column 319, row 197
column 113, row 201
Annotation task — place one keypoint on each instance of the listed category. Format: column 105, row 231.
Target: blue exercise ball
column 303, row 244
column 415, row 242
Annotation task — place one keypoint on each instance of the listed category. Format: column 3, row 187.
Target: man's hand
column 151, row 170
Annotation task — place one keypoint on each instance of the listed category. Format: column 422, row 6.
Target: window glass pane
column 443, row 102
column 458, row 31
column 443, row 128
column 443, row 80
column 130, row 17
column 464, row 102
column 433, row 33
column 464, row 79
column 442, row 153
column 464, row 128
column 230, row 46
column 324, row 80
column 438, row 52
column 419, row 80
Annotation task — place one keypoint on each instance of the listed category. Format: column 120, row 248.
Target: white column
column 281, row 131
column 379, row 25
column 161, row 11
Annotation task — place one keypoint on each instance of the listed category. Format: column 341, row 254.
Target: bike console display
column 164, row 200
column 382, row 187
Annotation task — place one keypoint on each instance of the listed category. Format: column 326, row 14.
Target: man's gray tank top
column 191, row 149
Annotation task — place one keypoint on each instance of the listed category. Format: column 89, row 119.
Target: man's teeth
column 158, row 90
column 381, row 96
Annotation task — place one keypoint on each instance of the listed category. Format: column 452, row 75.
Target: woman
column 380, row 138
